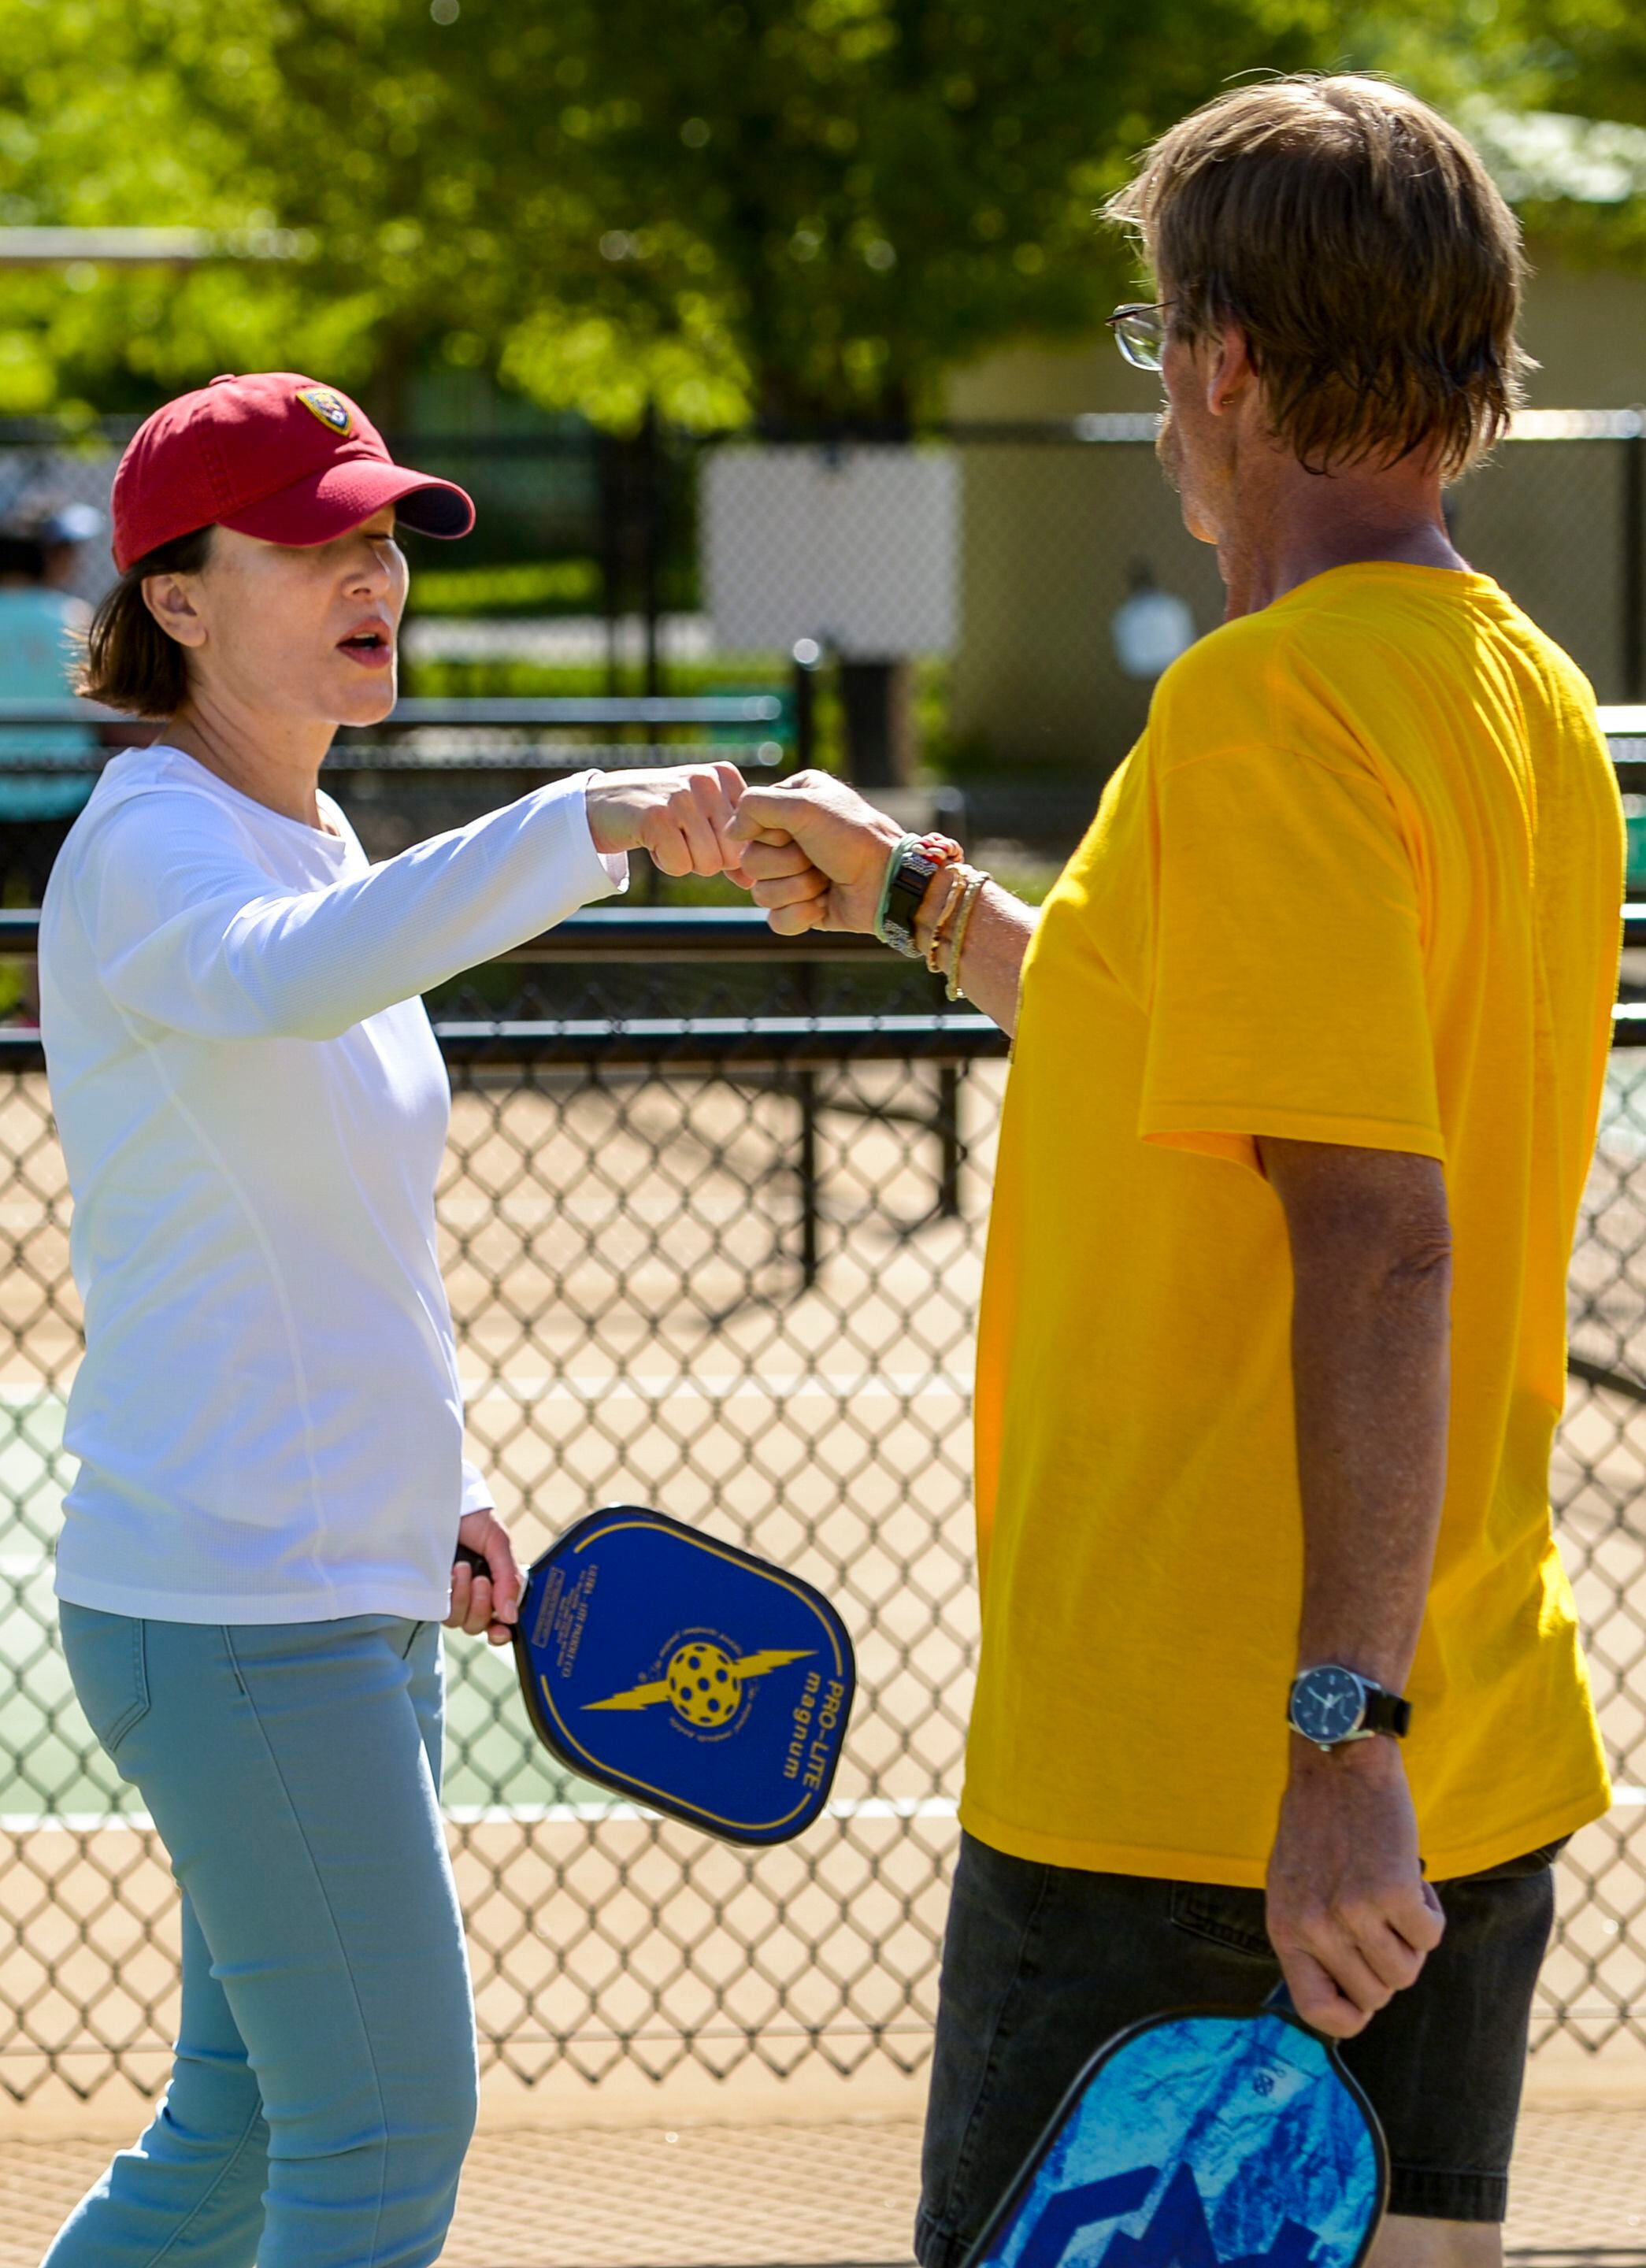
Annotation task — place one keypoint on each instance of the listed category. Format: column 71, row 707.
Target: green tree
column 1554, row 92
column 789, row 206
column 857, row 194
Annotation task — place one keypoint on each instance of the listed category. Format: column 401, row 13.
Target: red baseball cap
column 273, row 455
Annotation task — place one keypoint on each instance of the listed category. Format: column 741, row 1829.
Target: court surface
column 749, row 2197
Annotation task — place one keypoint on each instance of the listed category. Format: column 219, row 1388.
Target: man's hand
column 681, row 819
column 1349, row 1914
column 816, row 853
column 480, row 1602
column 817, row 857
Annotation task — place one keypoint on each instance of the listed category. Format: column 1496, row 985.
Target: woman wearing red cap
column 257, row 1551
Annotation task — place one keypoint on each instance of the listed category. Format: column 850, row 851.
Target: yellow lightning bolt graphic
column 757, row 1665
column 752, row 1665
column 638, row 1697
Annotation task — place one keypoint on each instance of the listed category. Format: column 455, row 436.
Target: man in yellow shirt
column 1279, row 1666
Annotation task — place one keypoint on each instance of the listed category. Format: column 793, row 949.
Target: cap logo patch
column 331, row 410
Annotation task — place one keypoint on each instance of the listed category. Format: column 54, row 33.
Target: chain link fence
column 969, row 584
column 714, row 1234
column 1595, row 1981
column 721, row 1261
column 713, row 1231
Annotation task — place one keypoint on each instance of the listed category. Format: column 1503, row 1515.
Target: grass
column 520, row 586
column 521, row 681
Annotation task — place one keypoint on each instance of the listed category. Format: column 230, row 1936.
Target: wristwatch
column 913, row 866
column 1331, row 1706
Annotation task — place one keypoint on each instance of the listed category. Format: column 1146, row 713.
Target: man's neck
column 276, row 761
column 1290, row 526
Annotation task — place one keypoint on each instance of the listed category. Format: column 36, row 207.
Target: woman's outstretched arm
column 187, row 930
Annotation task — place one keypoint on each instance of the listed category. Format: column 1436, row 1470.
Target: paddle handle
column 478, row 1564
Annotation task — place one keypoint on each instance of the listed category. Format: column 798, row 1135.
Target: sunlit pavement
column 789, row 2195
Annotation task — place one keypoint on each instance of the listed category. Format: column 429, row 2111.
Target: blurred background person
column 42, row 629
column 1151, row 627
column 46, row 771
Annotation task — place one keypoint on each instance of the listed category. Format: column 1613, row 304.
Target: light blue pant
column 325, row 2084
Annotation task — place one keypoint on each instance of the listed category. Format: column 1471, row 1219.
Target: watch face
column 1327, row 1705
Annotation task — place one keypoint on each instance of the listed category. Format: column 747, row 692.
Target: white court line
column 532, row 1815
column 487, row 1815
column 623, row 1386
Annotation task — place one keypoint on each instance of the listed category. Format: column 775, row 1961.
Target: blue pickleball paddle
column 1205, row 2139
column 682, row 1672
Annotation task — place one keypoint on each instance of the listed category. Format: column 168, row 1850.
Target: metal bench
column 757, row 732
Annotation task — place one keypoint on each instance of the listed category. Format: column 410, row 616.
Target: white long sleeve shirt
column 254, row 1110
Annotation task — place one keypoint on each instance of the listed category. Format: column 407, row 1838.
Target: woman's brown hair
column 130, row 663
column 1359, row 244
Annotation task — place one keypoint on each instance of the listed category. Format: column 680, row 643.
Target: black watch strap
column 1386, row 1713
column 910, row 877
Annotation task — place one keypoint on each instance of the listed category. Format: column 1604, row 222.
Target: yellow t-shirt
column 1359, row 882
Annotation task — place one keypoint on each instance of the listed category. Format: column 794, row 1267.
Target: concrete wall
column 1587, row 328
column 1047, row 534
column 1048, row 531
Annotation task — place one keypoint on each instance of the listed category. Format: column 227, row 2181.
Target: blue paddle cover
column 676, row 1669
column 1200, row 2140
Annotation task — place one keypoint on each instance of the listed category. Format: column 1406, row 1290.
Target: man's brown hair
column 1359, row 244
column 130, row 663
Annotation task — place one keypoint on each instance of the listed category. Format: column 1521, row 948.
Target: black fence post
column 874, row 697
column 612, row 549
column 806, row 1165
column 952, row 1154
column 1633, row 576
column 651, row 533
column 806, row 1084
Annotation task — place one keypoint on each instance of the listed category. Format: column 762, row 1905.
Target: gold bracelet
column 975, row 880
column 954, row 876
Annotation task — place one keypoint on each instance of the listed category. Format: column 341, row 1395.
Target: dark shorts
column 1042, row 1964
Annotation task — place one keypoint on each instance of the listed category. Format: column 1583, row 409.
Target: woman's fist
column 682, row 819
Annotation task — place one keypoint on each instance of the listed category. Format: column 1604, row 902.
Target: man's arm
column 816, row 859
column 1350, row 1912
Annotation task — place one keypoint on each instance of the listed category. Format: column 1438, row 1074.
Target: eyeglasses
column 1139, row 332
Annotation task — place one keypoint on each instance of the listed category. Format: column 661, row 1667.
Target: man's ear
column 170, row 599
column 1229, row 370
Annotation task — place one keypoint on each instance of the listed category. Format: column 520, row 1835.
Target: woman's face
column 280, row 630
